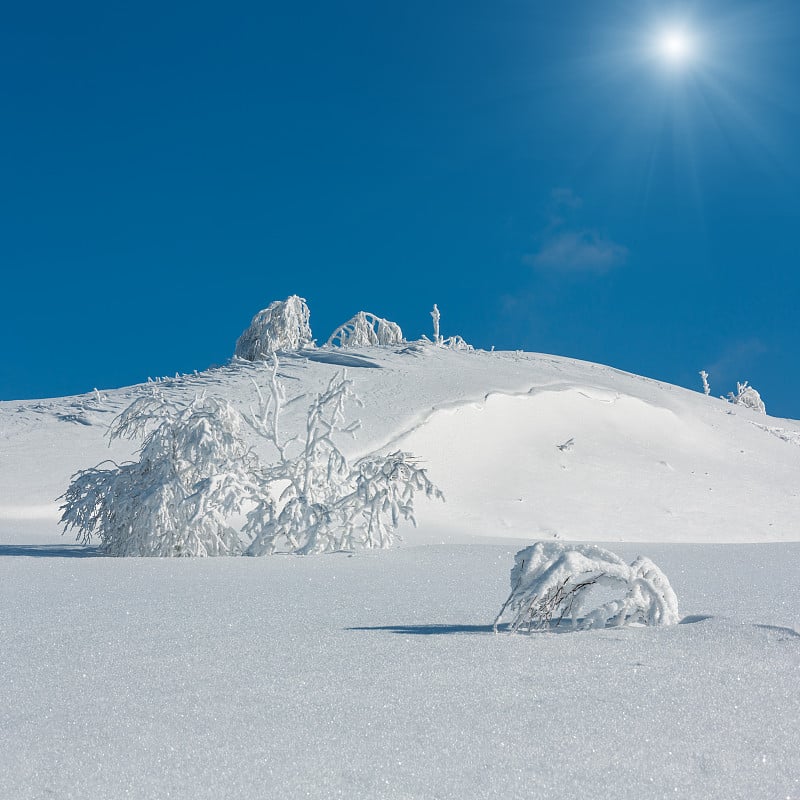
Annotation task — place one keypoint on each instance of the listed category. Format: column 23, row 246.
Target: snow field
column 377, row 676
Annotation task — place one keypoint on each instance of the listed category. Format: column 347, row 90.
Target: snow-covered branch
column 587, row 586
column 366, row 330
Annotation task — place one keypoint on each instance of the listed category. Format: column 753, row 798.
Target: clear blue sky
column 538, row 169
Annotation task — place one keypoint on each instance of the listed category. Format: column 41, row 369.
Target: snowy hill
column 377, row 675
column 523, row 445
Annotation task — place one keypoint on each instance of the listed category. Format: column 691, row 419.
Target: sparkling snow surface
column 377, row 675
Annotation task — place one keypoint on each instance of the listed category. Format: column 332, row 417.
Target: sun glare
column 675, row 47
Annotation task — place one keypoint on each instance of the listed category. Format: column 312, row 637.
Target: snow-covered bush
column 586, row 585
column 704, row 378
column 282, row 326
column 456, row 343
column 365, row 330
column 193, row 473
column 316, row 502
column 747, row 396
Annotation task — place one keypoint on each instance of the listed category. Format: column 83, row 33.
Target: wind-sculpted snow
column 583, row 463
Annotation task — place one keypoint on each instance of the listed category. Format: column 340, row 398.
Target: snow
column 377, row 675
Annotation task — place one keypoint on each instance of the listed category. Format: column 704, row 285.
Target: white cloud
column 578, row 251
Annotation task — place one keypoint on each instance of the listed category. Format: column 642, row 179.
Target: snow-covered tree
column 586, row 585
column 747, row 396
column 704, row 378
column 316, row 501
column 193, row 473
column 436, row 316
column 365, row 330
column 281, row 327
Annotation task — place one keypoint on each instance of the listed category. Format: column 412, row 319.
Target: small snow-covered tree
column 193, row 473
column 586, row 585
column 704, row 378
column 747, row 396
column 436, row 316
column 451, row 342
column 316, row 501
column 282, row 326
column 366, row 330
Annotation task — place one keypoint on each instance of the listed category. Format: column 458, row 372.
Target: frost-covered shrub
column 456, row 343
column 282, row 326
column 366, row 330
column 747, row 396
column 586, row 585
column 193, row 473
column 324, row 504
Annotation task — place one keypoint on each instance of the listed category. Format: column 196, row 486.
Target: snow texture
column 281, row 327
column 552, row 583
column 188, row 679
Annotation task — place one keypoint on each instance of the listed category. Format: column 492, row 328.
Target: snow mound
column 585, row 463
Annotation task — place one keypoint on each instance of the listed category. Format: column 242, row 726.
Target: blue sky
column 537, row 169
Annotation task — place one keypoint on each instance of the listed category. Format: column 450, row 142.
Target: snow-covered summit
column 523, row 445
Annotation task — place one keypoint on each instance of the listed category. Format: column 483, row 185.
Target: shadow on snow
column 49, row 551
column 429, row 630
column 444, row 630
column 340, row 359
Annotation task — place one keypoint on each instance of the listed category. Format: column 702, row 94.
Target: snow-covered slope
column 378, row 675
column 523, row 445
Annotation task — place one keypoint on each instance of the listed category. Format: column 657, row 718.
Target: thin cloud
column 578, row 251
column 565, row 197
column 734, row 362
column 569, row 247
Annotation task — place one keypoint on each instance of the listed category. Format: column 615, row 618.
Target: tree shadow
column 786, row 631
column 555, row 626
column 429, row 630
column 692, row 619
column 50, row 551
column 340, row 359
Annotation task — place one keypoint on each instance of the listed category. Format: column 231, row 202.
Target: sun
column 675, row 46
